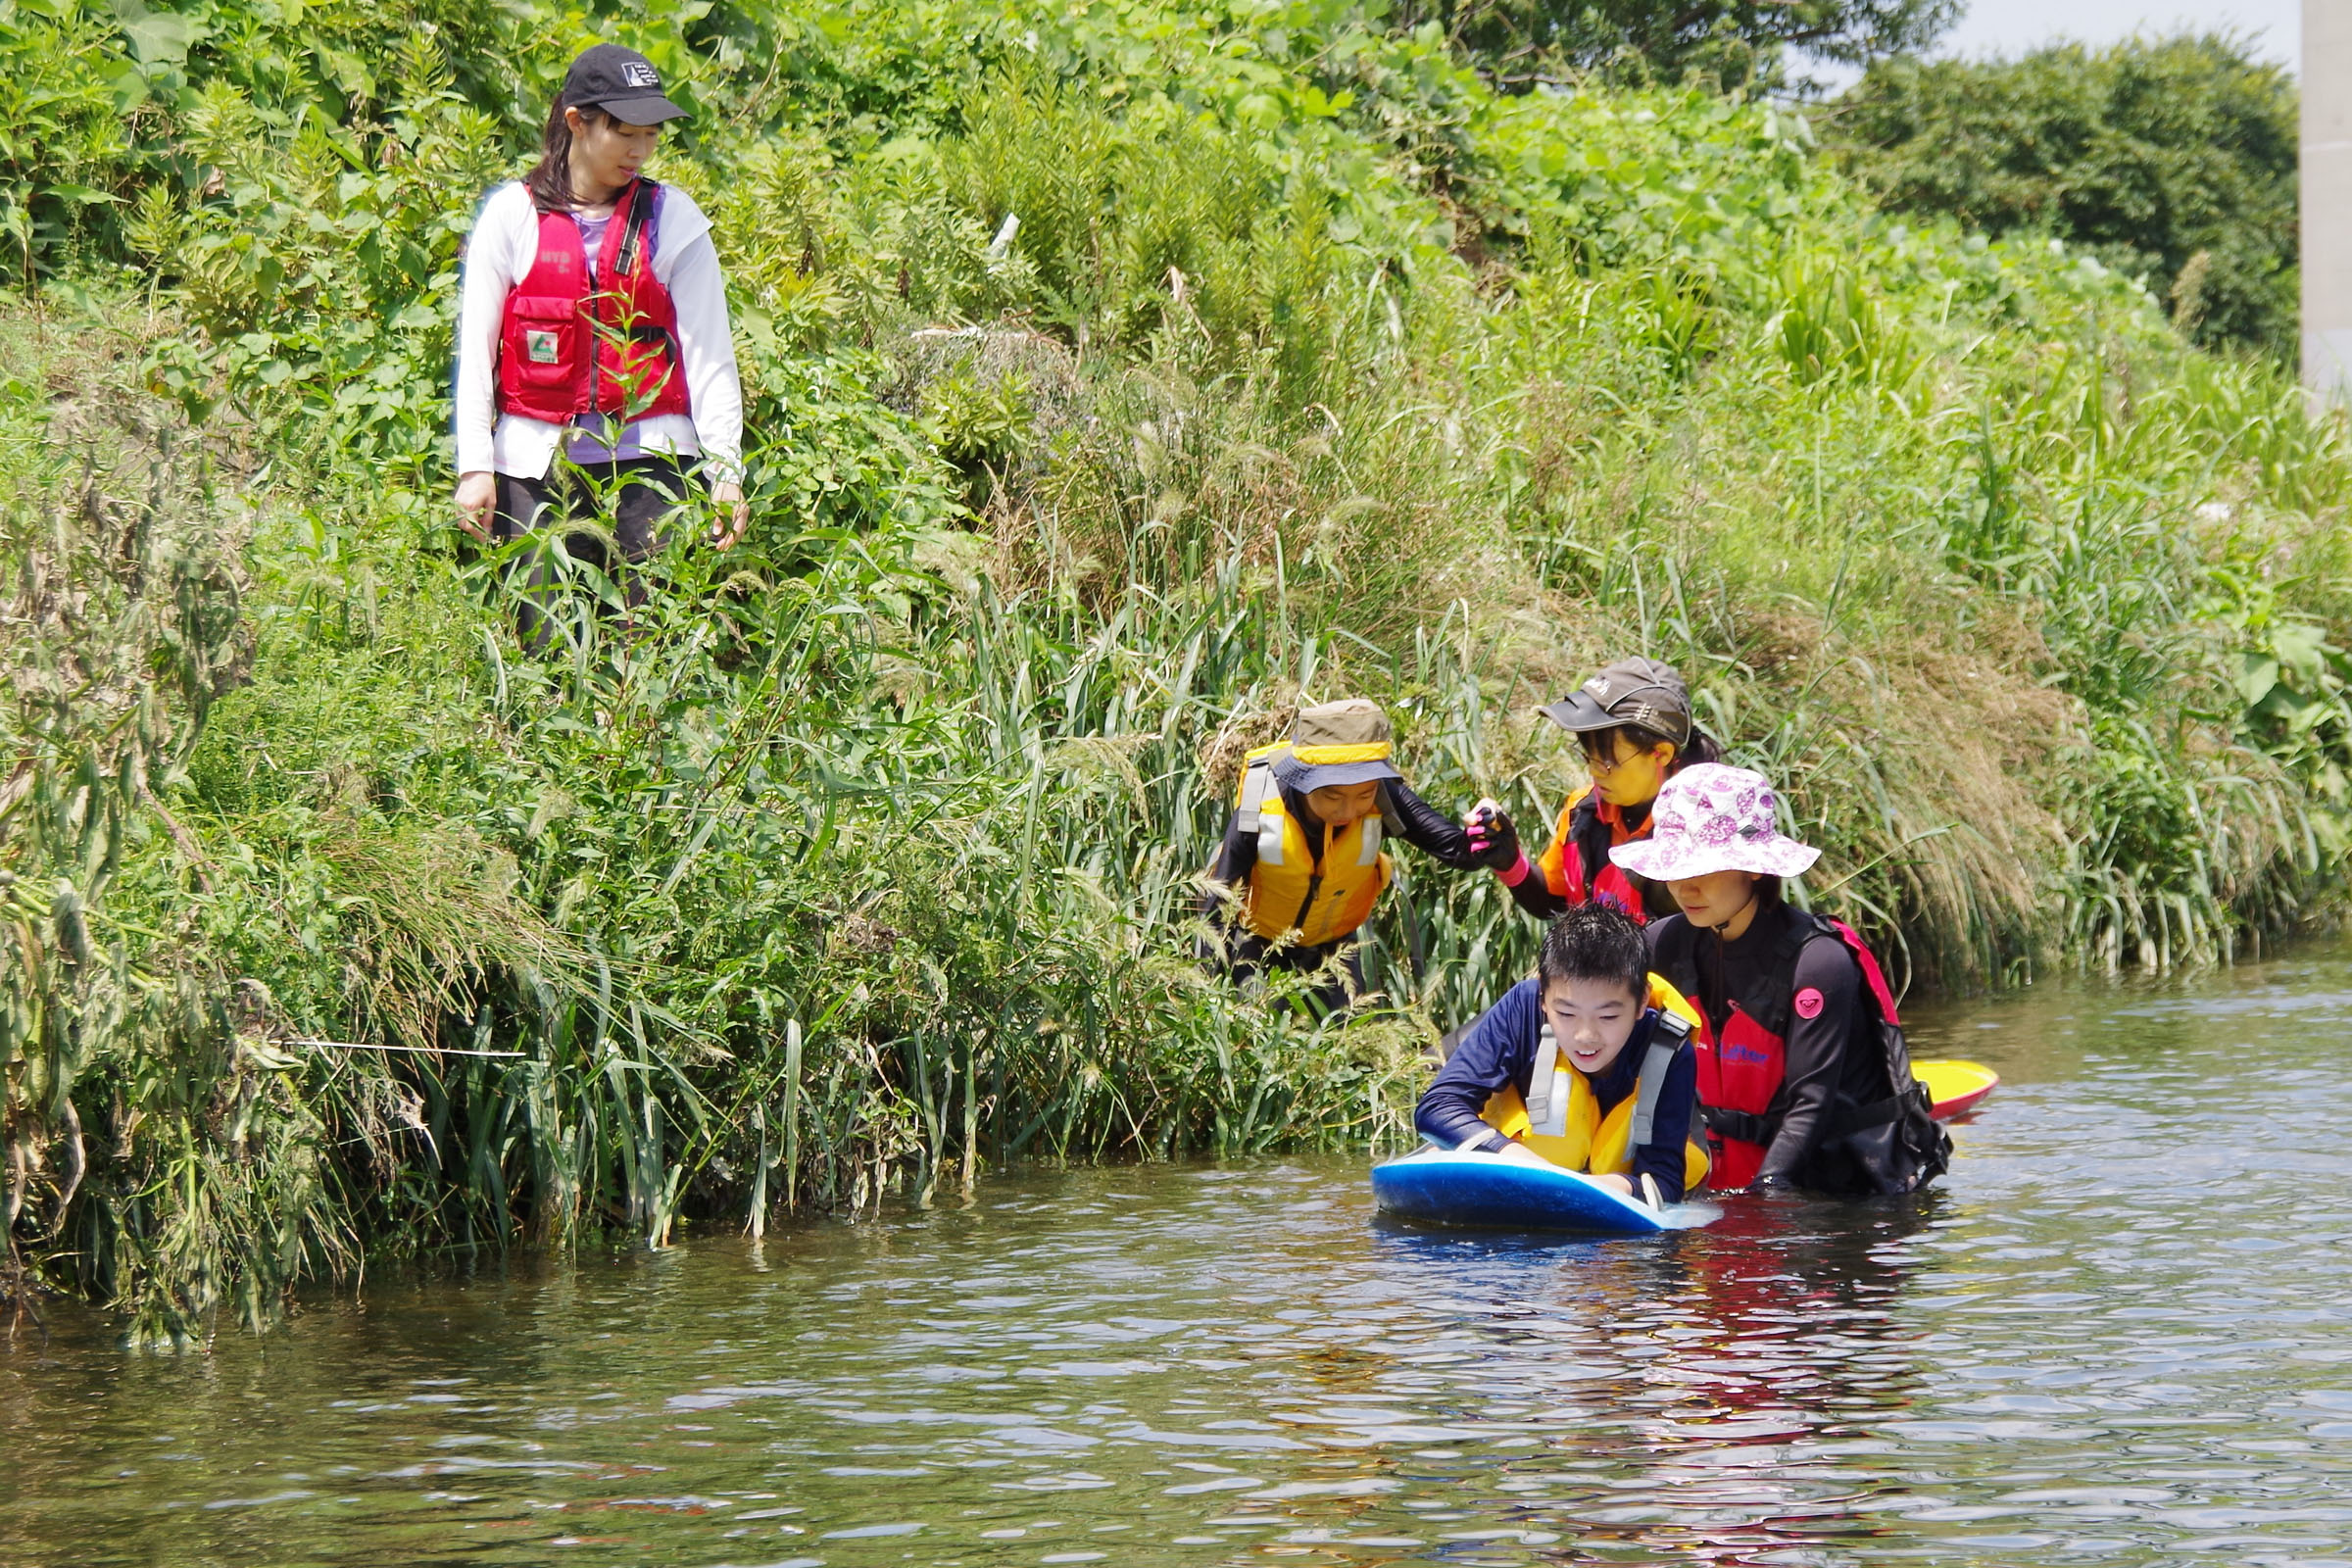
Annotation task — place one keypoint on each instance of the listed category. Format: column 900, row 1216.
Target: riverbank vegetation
column 2168, row 158
column 1119, row 378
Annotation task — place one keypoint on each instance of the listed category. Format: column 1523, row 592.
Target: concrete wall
column 2328, row 197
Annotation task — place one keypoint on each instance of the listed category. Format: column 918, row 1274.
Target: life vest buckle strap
column 1737, row 1126
column 1547, row 1091
column 1255, row 779
column 1252, row 820
column 1657, row 1061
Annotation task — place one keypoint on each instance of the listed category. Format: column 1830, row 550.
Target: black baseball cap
column 1632, row 691
column 622, row 82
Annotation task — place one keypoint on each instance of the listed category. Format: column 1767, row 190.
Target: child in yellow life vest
column 1303, row 864
column 1589, row 1066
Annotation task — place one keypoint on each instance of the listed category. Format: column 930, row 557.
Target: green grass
column 868, row 857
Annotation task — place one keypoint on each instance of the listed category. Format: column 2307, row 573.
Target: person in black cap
column 1633, row 722
column 595, row 359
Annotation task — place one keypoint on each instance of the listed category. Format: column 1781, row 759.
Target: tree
column 1735, row 42
column 2171, row 158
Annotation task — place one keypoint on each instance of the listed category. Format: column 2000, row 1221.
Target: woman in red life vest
column 1803, row 1075
column 593, row 335
column 1634, row 721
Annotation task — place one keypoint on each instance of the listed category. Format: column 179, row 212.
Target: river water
column 2119, row 1334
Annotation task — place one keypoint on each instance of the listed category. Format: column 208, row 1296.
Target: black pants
column 1247, row 955
column 642, row 493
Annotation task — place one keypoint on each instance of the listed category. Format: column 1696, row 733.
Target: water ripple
column 2116, row 1334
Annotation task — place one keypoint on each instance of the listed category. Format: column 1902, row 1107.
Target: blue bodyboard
column 1486, row 1191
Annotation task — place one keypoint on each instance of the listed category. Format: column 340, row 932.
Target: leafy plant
column 64, row 152
column 2171, row 158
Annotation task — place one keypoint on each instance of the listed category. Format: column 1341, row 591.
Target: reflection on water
column 2117, row 1335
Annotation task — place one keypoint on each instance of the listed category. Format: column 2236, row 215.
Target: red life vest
column 1576, row 863
column 1741, row 1065
column 568, row 346
column 1740, row 1071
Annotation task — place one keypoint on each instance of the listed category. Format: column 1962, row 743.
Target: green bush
column 2174, row 159
column 1729, row 44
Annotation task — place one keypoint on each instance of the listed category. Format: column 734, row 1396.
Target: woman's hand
column 735, row 516
column 1615, row 1184
column 477, row 502
column 1494, row 842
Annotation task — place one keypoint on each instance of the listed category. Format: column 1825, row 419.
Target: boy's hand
column 1520, row 1155
column 1494, row 838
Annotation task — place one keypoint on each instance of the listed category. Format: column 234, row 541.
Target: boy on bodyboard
column 1587, row 1067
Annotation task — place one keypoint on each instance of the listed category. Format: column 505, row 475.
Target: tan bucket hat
column 1337, row 743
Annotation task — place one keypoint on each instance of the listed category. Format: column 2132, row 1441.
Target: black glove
column 1494, row 841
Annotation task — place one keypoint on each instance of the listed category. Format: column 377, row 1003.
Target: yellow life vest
column 1567, row 1127
column 1314, row 894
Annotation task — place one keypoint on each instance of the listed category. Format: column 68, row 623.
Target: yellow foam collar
column 1326, row 756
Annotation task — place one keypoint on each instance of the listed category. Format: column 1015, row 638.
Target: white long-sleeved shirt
column 498, row 254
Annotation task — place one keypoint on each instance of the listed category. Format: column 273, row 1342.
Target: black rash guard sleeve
column 1428, row 829
column 1499, row 1049
column 1534, row 895
column 1816, row 1056
column 1231, row 867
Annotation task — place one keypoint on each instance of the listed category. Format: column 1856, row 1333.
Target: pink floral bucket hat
column 1714, row 818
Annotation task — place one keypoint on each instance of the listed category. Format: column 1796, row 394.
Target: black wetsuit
column 1832, row 1059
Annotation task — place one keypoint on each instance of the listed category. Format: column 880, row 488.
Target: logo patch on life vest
column 540, row 347
column 1808, row 1003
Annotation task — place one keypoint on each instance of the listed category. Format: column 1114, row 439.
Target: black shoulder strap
column 1674, row 954
column 1590, row 837
column 632, row 232
column 1803, row 929
column 1804, row 926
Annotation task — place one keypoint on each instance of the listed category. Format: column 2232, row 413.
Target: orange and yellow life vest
column 1313, row 893
column 1566, row 1126
column 1576, row 864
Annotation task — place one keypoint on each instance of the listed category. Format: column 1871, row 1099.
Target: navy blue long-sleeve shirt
column 1501, row 1049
